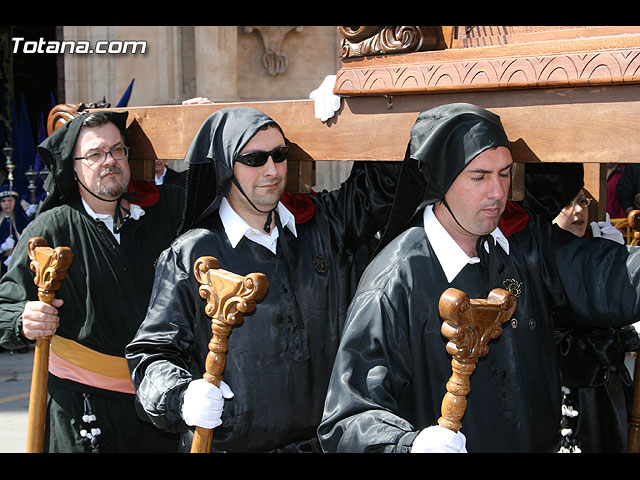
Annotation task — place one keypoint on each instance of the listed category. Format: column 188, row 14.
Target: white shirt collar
column 135, row 212
column 450, row 255
column 160, row 180
column 236, row 227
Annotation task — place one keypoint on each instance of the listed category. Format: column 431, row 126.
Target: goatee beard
column 113, row 190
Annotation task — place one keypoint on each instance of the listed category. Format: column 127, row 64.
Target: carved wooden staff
column 634, row 222
column 229, row 296
column 50, row 266
column 469, row 324
column 633, row 444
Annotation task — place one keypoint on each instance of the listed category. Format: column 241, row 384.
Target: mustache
column 109, row 170
column 277, row 181
column 492, row 205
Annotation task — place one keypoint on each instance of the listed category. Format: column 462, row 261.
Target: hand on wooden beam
column 197, row 101
column 325, row 102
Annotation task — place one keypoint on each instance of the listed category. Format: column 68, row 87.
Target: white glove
column 31, row 211
column 203, row 402
column 8, row 244
column 197, row 101
column 325, row 102
column 606, row 230
column 437, row 439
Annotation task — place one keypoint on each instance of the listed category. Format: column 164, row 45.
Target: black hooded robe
column 280, row 357
column 598, row 386
column 392, row 367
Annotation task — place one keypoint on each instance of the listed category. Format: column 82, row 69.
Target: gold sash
column 73, row 352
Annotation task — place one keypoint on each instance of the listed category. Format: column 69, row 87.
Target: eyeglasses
column 583, row 202
column 257, row 159
column 117, row 153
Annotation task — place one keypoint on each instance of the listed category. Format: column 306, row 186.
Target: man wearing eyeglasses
column 279, row 358
column 116, row 228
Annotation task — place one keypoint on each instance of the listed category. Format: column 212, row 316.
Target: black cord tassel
column 489, row 259
column 267, row 224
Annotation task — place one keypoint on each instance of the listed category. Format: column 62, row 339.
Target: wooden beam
column 590, row 125
column 585, row 124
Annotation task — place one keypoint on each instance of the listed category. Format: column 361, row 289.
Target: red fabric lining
column 513, row 219
column 144, row 193
column 300, row 205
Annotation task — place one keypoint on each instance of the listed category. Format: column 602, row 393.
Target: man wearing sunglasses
column 263, row 172
column 279, row 358
column 116, row 228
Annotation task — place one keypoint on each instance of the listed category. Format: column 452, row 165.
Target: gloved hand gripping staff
column 229, row 296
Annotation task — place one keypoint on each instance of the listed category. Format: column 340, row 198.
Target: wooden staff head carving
column 229, row 296
column 50, row 266
column 634, row 222
column 469, row 324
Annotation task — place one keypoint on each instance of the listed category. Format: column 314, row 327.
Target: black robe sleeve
column 360, row 207
column 164, row 373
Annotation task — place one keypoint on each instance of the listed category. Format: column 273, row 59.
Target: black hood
column 211, row 157
column 549, row 187
column 444, row 140
column 57, row 153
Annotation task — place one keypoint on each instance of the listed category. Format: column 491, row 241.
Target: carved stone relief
column 274, row 61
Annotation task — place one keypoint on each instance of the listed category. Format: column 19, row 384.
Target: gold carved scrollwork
column 380, row 40
column 469, row 324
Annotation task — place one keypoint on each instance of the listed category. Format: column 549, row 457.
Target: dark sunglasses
column 257, row 159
